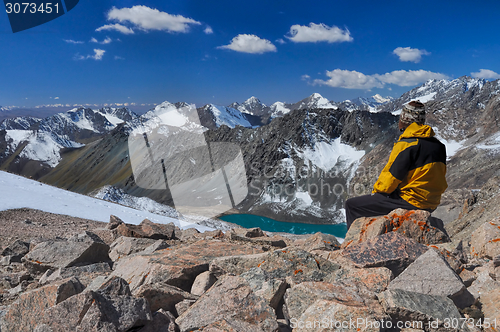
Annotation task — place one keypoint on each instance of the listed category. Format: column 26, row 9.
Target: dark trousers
column 374, row 205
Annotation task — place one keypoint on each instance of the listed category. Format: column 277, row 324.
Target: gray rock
column 82, row 249
column 24, row 314
column 16, row 250
column 430, row 274
column 230, row 299
column 114, row 222
column 163, row 321
column 485, row 241
column 114, row 286
column 327, row 315
column 203, row 282
column 272, row 290
column 157, row 231
column 490, row 306
column 157, row 245
column 303, row 295
column 293, row 263
column 183, row 306
column 85, row 273
column 247, row 232
column 92, row 311
column 318, row 241
column 163, row 296
column 484, row 283
column 391, row 250
column 408, row 306
column 375, row 279
column 177, row 266
column 124, row 246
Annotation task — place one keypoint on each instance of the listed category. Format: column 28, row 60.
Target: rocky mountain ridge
column 336, row 150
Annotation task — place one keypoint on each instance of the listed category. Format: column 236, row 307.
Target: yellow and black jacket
column 416, row 168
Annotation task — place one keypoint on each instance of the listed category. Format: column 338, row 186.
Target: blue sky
column 224, row 51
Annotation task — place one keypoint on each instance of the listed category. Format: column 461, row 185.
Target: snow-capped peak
column 314, row 101
column 379, row 99
column 251, row 106
column 227, row 116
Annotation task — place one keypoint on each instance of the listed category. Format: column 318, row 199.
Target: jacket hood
column 418, row 131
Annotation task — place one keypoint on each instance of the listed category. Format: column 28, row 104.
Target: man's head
column 414, row 111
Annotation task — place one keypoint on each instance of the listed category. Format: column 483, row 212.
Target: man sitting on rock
column 414, row 177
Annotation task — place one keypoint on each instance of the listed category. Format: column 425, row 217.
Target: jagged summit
column 314, row 101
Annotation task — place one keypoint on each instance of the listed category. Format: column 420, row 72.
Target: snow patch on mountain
column 167, row 114
column 228, row 116
column 26, row 193
column 278, row 109
column 117, row 195
column 326, row 155
column 39, row 145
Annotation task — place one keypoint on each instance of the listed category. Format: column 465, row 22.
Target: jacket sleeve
column 397, row 167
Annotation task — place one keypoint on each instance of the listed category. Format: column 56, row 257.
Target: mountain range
column 318, row 152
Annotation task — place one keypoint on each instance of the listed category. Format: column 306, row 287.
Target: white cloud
column 280, row 41
column 410, row 78
column 347, row 79
column 318, row 33
column 117, row 57
column 146, row 18
column 118, row 27
column 56, row 97
column 70, row 41
column 486, row 74
column 208, row 30
column 250, row 44
column 104, row 42
column 98, row 54
column 408, row 54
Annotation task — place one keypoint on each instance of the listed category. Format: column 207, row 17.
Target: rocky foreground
column 399, row 272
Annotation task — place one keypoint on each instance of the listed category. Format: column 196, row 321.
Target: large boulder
column 24, row 314
column 163, row 321
column 230, row 299
column 391, row 250
column 86, row 274
column 415, row 224
column 303, row 295
column 294, row 264
column 124, row 246
column 95, row 311
column 485, row 241
column 16, row 250
column 491, row 309
column 177, row 266
column 318, row 242
column 430, row 274
column 429, row 312
column 375, row 279
column 82, row 249
column 163, row 296
column 202, row 283
column 272, row 290
column 158, row 231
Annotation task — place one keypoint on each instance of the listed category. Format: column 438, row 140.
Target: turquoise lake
column 271, row 225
